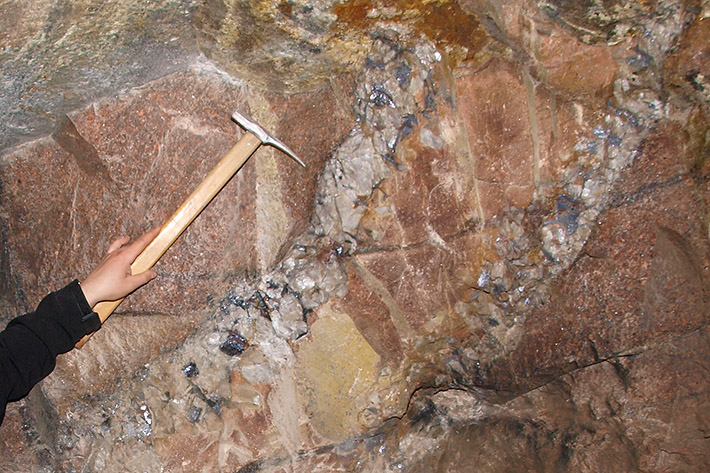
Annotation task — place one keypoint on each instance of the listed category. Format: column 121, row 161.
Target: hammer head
column 265, row 137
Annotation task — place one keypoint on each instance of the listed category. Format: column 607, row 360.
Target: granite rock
column 497, row 255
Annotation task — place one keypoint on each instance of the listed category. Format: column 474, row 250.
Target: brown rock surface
column 641, row 277
column 624, row 414
column 18, row 449
column 688, row 68
column 498, row 254
column 495, row 114
column 573, row 69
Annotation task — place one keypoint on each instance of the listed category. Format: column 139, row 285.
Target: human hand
column 112, row 279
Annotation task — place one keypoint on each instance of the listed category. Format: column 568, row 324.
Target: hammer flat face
column 264, row 136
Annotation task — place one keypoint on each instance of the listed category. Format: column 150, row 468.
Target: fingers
column 131, row 283
column 137, row 280
column 118, row 243
column 135, row 248
column 112, row 279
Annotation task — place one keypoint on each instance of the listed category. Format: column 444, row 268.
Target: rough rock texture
column 496, row 260
column 57, row 56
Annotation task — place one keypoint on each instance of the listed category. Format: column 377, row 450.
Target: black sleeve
column 30, row 344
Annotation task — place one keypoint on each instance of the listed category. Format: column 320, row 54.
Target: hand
column 112, row 279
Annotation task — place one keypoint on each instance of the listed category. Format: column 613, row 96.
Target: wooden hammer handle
column 183, row 217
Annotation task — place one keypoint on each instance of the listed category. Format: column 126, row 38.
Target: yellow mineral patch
column 337, row 369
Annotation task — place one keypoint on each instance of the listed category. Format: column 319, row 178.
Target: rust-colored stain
column 353, row 13
column 443, row 22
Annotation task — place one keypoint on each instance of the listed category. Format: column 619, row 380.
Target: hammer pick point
column 264, row 136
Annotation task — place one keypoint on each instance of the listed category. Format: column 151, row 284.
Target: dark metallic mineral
column 234, row 345
column 194, row 414
column 191, row 370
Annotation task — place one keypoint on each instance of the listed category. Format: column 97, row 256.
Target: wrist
column 89, row 292
column 90, row 320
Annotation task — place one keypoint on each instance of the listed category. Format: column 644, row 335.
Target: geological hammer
column 254, row 136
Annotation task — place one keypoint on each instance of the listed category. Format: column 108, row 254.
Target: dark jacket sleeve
column 30, row 344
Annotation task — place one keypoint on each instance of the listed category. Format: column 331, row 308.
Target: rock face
column 496, row 260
